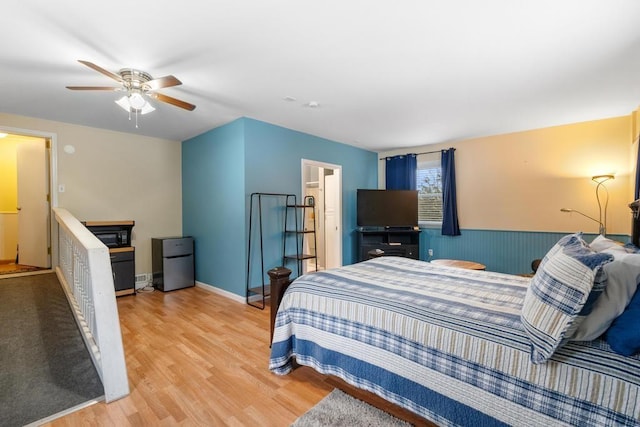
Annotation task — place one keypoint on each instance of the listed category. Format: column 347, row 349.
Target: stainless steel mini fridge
column 172, row 261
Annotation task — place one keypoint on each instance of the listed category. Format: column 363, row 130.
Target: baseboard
column 65, row 412
column 222, row 292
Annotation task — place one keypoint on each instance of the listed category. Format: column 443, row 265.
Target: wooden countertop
column 108, row 223
column 122, row 249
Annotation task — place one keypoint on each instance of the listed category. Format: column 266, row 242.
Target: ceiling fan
column 138, row 85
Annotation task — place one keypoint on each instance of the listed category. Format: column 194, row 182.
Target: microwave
column 114, row 239
column 112, row 234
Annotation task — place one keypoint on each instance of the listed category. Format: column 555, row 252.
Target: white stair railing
column 84, row 269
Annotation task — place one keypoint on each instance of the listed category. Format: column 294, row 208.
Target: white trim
column 53, row 182
column 65, row 412
column 230, row 295
column 319, row 164
column 307, row 162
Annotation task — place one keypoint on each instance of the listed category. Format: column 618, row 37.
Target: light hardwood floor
column 197, row 358
column 7, row 268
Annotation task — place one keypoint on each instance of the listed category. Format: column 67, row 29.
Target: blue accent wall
column 502, row 251
column 223, row 167
column 213, row 204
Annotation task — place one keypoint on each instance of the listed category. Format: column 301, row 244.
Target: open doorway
column 323, row 181
column 25, row 176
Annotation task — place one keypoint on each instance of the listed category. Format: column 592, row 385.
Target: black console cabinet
column 123, row 268
column 116, row 235
column 396, row 242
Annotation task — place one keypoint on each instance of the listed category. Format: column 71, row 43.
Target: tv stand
column 403, row 242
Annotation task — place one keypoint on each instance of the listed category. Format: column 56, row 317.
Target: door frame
column 53, row 181
column 314, row 163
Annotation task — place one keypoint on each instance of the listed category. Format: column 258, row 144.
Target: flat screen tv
column 387, row 208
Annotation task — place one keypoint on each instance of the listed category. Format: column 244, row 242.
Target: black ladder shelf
column 293, row 227
column 301, row 232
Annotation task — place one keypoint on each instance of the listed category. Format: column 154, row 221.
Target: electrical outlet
column 430, row 251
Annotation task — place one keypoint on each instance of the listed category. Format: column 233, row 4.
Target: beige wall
column 8, row 175
column 8, row 199
column 113, row 175
column 519, row 181
column 8, row 236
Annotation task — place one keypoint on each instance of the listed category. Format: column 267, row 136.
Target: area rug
column 45, row 366
column 340, row 409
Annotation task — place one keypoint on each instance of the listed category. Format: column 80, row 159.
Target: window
column 429, row 186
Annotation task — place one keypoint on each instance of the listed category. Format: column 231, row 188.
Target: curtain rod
column 417, row 154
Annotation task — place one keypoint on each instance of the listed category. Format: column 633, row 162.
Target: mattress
column 448, row 345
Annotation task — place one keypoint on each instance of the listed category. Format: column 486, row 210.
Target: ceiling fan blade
column 93, row 88
column 172, row 101
column 160, row 82
column 99, row 69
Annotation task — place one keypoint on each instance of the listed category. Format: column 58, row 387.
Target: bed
column 453, row 346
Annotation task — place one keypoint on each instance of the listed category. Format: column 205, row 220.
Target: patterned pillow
column 557, row 294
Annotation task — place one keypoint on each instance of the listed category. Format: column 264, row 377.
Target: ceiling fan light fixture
column 136, row 100
column 138, row 86
column 146, row 108
column 135, row 103
column 124, row 103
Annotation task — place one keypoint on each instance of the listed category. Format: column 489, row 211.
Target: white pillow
column 601, row 243
column 623, row 277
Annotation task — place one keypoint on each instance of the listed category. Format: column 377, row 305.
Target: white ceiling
column 386, row 74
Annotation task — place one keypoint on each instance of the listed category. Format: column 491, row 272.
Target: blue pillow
column 558, row 292
column 624, row 334
column 623, row 276
column 631, row 248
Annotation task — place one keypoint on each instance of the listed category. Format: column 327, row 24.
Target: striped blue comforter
column 447, row 344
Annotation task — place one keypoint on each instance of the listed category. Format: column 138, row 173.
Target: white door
column 33, row 206
column 333, row 251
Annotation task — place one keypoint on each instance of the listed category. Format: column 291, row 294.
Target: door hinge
column 49, row 250
column 47, row 143
column 48, row 197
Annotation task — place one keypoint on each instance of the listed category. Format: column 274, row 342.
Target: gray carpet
column 340, row 409
column 45, row 367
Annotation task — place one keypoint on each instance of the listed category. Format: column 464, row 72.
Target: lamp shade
column 135, row 102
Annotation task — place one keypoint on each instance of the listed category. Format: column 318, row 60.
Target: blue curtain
column 449, row 205
column 401, row 172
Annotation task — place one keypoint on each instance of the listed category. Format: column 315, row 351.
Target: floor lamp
column 600, row 179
